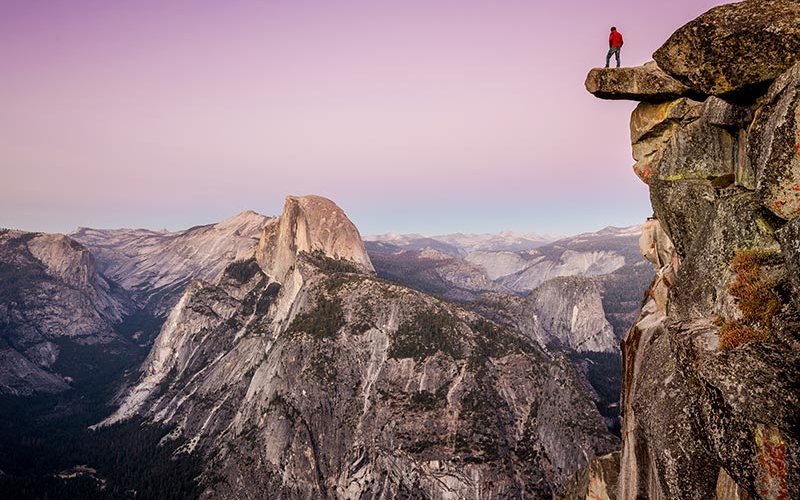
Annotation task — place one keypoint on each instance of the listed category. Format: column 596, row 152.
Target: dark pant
column 615, row 51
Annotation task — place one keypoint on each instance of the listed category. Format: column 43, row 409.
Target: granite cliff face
column 299, row 373
column 51, row 297
column 155, row 266
column 712, row 365
column 570, row 314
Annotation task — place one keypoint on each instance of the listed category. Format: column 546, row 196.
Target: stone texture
column 736, row 49
column 596, row 481
column 789, row 238
column 727, row 489
column 656, row 247
column 603, row 477
column 774, row 146
column 642, row 83
column 682, row 207
column 685, row 139
column 722, row 113
column 746, row 407
column 652, row 126
column 700, row 420
column 701, row 289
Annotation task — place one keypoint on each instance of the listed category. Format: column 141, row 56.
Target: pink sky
column 414, row 116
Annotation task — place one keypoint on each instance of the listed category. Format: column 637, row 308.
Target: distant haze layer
column 428, row 116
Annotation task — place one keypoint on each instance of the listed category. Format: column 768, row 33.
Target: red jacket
column 615, row 39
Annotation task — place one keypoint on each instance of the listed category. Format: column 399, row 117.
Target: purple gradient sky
column 414, row 116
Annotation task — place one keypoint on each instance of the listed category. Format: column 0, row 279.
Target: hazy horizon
column 414, row 116
column 364, row 235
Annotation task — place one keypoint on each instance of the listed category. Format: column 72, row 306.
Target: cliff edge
column 711, row 404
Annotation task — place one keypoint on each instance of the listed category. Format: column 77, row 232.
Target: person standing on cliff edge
column 614, row 45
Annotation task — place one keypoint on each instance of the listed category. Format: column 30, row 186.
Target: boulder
column 774, row 146
column 652, row 119
column 734, row 50
column 652, row 125
column 683, row 139
column 641, row 83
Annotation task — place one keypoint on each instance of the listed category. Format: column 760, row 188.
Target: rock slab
column 641, row 83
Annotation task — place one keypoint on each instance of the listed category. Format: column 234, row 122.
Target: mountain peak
column 310, row 224
column 247, row 219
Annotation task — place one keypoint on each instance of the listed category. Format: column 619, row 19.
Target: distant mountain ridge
column 155, row 266
column 461, row 244
column 284, row 314
column 297, row 372
column 489, row 259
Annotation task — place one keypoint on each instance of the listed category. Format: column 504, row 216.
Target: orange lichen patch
column 644, row 172
column 796, row 187
column 755, row 296
column 771, row 468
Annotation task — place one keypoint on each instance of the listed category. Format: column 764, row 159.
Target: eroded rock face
column 310, row 224
column 735, row 49
column 334, row 384
column 774, row 146
column 646, row 83
column 702, row 416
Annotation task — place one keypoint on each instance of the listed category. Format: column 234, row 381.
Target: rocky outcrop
column 734, row 50
column 50, row 294
column 334, row 384
column 310, row 224
column 646, row 83
column 710, row 398
column 155, row 266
